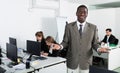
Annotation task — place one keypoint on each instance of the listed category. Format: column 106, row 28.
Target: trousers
column 77, row 70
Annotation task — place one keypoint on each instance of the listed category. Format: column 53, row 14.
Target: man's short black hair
column 108, row 29
column 81, row 7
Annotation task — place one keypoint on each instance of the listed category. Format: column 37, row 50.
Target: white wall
column 21, row 22
column 16, row 20
column 61, row 22
column 103, row 18
column 106, row 18
column 117, row 24
column 68, row 10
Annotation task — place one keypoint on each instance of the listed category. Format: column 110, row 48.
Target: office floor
column 105, row 66
column 117, row 70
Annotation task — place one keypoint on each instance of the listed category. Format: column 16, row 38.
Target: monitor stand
column 11, row 64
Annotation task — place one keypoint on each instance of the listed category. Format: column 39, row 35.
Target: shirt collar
column 78, row 24
column 109, row 35
column 81, row 23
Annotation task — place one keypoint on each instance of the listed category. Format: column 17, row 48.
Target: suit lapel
column 76, row 31
column 86, row 30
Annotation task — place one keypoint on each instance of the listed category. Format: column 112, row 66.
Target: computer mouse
column 10, row 65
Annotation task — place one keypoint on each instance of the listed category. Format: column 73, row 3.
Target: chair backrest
column 116, row 41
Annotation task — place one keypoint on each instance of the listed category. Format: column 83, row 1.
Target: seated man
column 109, row 38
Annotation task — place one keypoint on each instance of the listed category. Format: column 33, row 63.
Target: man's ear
column 76, row 13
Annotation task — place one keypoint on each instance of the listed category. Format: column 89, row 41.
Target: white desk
column 12, row 70
column 113, row 58
column 50, row 65
column 6, row 61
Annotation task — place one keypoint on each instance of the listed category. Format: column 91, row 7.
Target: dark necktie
column 80, row 30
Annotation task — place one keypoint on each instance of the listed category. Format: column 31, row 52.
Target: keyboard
column 40, row 58
column 2, row 70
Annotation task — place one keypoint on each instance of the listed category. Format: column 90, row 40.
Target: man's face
column 82, row 14
column 108, row 33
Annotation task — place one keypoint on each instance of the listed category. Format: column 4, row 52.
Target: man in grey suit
column 80, row 38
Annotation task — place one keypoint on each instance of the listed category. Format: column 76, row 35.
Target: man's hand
column 103, row 50
column 56, row 47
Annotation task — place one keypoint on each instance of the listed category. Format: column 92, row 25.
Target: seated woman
column 40, row 38
column 50, row 41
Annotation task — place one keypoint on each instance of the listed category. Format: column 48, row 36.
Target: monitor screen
column 11, row 52
column 33, row 47
column 12, row 41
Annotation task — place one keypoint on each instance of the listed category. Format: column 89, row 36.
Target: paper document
column 19, row 66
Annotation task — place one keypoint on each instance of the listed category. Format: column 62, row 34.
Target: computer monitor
column 33, row 47
column 13, row 41
column 11, row 52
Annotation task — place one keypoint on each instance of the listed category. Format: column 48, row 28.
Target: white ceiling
column 93, row 2
column 98, row 3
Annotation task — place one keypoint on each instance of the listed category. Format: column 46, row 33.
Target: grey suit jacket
column 80, row 48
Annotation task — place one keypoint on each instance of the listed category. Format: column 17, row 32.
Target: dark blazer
column 80, row 49
column 45, row 49
column 44, row 46
column 63, row 52
column 55, row 53
column 112, row 39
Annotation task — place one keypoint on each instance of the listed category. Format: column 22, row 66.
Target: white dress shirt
column 108, row 38
column 83, row 25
